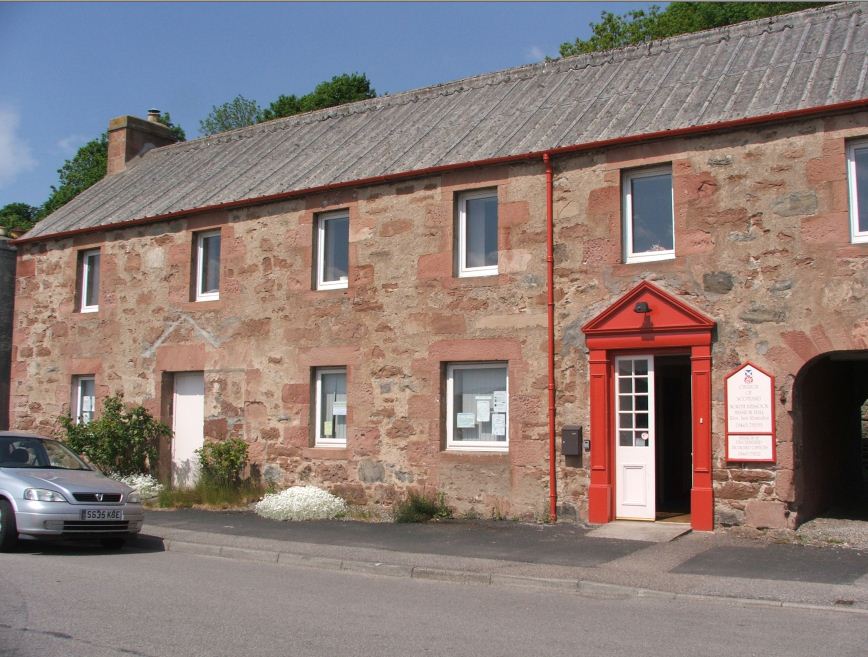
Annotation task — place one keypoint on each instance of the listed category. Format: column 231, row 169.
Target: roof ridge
column 502, row 76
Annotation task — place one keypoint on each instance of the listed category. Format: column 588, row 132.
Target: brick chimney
column 129, row 137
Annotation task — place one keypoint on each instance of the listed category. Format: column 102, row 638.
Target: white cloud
column 15, row 155
column 71, row 143
column 534, row 54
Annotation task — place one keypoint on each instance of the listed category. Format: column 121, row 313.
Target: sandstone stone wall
column 403, row 317
column 762, row 240
column 762, row 245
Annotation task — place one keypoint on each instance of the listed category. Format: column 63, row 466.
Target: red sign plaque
column 750, row 415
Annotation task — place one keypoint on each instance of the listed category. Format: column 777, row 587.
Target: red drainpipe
column 550, row 289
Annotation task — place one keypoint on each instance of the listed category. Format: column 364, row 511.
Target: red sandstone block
column 766, row 514
column 434, row 265
column 513, row 213
column 295, row 393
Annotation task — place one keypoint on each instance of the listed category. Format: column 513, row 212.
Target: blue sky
column 67, row 68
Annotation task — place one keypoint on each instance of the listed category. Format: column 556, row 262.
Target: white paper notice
column 339, row 408
column 483, row 409
column 465, row 420
column 327, row 429
column 500, row 401
column 87, row 404
column 498, row 424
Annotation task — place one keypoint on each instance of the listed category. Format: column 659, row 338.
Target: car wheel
column 8, row 528
column 113, row 543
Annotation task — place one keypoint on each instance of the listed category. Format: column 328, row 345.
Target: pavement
column 668, row 562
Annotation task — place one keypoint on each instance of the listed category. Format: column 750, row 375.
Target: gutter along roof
column 787, row 66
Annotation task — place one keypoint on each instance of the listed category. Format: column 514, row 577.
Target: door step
column 634, row 530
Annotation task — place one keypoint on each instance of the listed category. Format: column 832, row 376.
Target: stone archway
column 831, row 450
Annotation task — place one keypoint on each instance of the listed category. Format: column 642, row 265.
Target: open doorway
column 673, row 453
column 830, row 439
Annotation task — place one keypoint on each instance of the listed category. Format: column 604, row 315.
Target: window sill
column 649, row 257
column 473, row 453
column 478, row 273
column 336, row 452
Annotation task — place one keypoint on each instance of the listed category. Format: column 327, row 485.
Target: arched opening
column 830, row 408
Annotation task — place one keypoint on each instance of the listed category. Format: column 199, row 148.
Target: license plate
column 102, row 514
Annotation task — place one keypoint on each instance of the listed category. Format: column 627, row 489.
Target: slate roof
column 809, row 59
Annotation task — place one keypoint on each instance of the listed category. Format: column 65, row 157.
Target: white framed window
column 477, row 233
column 89, row 283
column 83, row 398
column 649, row 225
column 477, row 407
column 333, row 246
column 331, row 407
column 208, row 265
column 857, row 173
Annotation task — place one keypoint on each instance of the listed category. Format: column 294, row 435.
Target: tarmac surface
column 562, row 556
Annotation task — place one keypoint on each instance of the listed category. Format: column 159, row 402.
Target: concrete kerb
column 585, row 588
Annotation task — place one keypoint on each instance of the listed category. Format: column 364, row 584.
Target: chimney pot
column 154, row 115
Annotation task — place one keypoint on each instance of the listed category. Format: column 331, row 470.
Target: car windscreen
column 29, row 452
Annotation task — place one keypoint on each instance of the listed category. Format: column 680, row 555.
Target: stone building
column 543, row 289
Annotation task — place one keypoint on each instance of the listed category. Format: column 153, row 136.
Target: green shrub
column 121, row 440
column 211, row 494
column 422, row 507
column 222, row 462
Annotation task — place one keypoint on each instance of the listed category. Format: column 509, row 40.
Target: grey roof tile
column 797, row 61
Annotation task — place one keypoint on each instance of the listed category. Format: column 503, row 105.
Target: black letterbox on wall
column 571, row 436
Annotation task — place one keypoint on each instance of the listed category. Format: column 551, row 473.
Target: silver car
column 46, row 491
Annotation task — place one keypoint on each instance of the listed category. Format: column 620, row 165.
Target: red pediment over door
column 650, row 311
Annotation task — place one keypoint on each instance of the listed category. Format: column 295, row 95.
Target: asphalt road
column 81, row 602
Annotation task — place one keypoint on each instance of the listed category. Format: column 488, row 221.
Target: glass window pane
column 625, row 420
column 625, row 438
column 640, row 367
column 210, row 276
column 641, row 402
column 641, row 384
column 336, row 249
column 641, row 439
column 481, row 232
column 861, row 157
column 641, row 420
column 625, row 385
column 625, row 402
column 652, row 213
column 333, row 405
column 91, row 277
column 625, row 367
column 86, row 400
column 474, row 405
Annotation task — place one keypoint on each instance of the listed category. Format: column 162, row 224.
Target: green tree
column 639, row 26
column 18, row 216
column 122, row 440
column 177, row 131
column 87, row 166
column 237, row 113
column 341, row 89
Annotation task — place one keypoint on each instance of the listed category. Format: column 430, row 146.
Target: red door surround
column 648, row 320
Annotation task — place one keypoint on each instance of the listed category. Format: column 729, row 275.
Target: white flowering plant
column 301, row 503
column 146, row 485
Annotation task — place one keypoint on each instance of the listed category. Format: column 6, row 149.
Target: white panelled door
column 188, row 423
column 634, row 435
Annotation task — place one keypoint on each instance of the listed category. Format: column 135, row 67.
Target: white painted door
column 634, row 437
column 188, row 423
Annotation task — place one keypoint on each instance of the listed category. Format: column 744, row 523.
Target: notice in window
column 483, row 408
column 500, row 401
column 465, row 420
column 498, row 424
column 327, row 429
column 86, row 404
column 339, row 408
